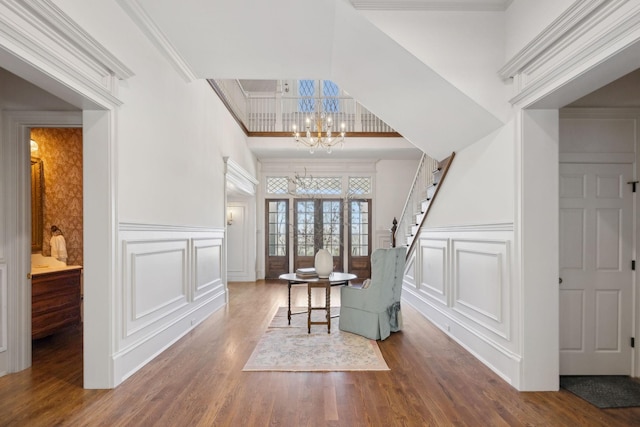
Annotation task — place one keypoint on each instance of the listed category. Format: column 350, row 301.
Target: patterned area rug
column 286, row 347
column 606, row 391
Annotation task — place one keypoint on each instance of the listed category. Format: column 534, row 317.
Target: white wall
column 466, row 48
column 154, row 170
column 479, row 187
column 172, row 135
column 393, row 181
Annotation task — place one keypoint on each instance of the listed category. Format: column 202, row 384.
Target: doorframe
column 628, row 158
column 17, row 129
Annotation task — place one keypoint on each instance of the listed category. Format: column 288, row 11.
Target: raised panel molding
column 485, row 323
column 155, row 281
column 172, row 279
column 410, row 272
column 434, row 268
column 207, row 268
column 481, row 284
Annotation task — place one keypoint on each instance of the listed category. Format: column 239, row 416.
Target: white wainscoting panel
column 173, row 279
column 465, row 287
column 155, row 284
column 481, row 285
column 410, row 272
column 434, row 266
column 207, row 257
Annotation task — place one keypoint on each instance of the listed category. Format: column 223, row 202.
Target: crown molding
column 558, row 29
column 41, row 34
column 48, row 12
column 435, row 5
column 139, row 16
column 615, row 35
column 240, row 177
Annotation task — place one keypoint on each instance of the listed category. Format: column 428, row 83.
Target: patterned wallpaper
column 61, row 152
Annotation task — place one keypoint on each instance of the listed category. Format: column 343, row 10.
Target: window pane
column 277, row 230
column 359, row 220
column 306, row 91
column 359, row 185
column 277, row 185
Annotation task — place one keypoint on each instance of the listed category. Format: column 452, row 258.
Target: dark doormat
column 604, row 391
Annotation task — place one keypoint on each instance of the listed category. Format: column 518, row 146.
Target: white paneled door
column 596, row 289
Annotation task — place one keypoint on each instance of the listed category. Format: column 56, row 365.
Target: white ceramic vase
column 323, row 263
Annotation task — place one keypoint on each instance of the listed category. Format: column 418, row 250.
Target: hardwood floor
column 199, row 382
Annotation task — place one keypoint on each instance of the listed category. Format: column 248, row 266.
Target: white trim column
column 537, row 252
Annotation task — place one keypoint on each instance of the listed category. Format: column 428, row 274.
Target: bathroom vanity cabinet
column 55, row 301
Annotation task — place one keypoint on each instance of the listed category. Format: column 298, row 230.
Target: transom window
column 277, row 185
column 359, row 185
column 319, row 185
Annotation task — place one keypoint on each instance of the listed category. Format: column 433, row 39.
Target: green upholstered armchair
column 374, row 312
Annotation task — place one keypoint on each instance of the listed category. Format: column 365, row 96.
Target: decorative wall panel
column 207, row 258
column 434, row 269
column 481, row 285
column 156, row 279
column 173, row 279
column 465, row 288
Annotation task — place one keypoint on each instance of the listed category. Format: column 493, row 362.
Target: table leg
column 289, row 304
column 328, row 303
column 309, row 309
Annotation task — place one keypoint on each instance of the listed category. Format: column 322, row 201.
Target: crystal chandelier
column 318, row 133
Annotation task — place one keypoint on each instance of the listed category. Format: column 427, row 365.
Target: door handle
column 560, row 280
column 29, row 276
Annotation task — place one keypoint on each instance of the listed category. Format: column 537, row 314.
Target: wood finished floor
column 199, row 382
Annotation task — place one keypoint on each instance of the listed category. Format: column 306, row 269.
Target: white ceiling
column 621, row 93
column 345, row 47
column 18, row 94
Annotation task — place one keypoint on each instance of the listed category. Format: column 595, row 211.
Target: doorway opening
column 56, row 241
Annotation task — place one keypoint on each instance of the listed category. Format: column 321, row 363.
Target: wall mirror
column 37, row 203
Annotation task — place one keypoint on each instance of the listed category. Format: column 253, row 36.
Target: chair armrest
column 363, row 299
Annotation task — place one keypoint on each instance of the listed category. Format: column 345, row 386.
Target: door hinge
column 633, row 342
column 633, row 264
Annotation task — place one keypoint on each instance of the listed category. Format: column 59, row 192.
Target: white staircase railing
column 277, row 113
column 428, row 176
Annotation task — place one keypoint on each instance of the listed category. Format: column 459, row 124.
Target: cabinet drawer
column 55, row 302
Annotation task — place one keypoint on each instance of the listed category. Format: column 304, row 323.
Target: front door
column 318, row 223
column 277, row 237
column 596, row 289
